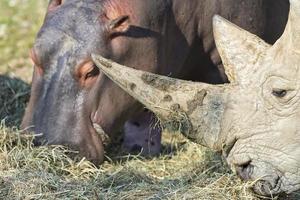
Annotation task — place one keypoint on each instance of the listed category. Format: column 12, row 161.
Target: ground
column 184, row 170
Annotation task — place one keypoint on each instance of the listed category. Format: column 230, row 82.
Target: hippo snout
column 87, row 142
column 92, row 147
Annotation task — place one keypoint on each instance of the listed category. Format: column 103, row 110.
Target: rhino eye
column 279, row 93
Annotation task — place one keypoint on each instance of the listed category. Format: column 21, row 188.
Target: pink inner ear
column 116, row 8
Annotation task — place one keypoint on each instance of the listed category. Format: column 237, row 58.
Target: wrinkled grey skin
column 170, row 37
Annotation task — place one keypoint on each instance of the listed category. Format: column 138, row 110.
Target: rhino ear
column 239, row 49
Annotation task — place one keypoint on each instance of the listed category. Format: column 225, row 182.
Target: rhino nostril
column 262, row 187
column 244, row 171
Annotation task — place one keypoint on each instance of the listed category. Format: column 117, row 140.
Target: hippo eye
column 94, row 72
column 280, row 93
column 34, row 58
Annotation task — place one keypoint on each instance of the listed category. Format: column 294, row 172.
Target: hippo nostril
column 136, row 148
column 244, row 171
column 136, row 124
column 36, row 142
column 39, row 141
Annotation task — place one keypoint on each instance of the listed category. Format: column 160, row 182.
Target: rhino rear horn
column 238, row 49
column 290, row 40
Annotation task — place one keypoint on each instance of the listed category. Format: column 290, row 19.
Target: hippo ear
column 119, row 25
column 238, row 49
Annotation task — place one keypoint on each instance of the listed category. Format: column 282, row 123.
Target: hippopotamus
column 70, row 94
column 253, row 120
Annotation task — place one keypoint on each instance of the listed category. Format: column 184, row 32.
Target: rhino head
column 254, row 120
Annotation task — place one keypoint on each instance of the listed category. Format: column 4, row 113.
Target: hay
column 48, row 172
column 184, row 170
column 14, row 94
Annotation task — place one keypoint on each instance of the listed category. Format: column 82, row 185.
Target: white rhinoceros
column 254, row 120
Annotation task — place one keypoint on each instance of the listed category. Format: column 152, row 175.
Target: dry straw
column 183, row 171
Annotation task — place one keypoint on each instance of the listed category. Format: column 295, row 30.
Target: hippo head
column 254, row 120
column 69, row 93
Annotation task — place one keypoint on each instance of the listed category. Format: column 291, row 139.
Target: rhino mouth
column 264, row 179
column 268, row 187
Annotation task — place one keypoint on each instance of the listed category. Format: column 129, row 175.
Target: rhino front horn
column 195, row 109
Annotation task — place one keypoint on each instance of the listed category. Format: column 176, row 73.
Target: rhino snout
column 268, row 187
column 266, row 180
column 265, row 186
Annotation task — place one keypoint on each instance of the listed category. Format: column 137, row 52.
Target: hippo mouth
column 99, row 130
